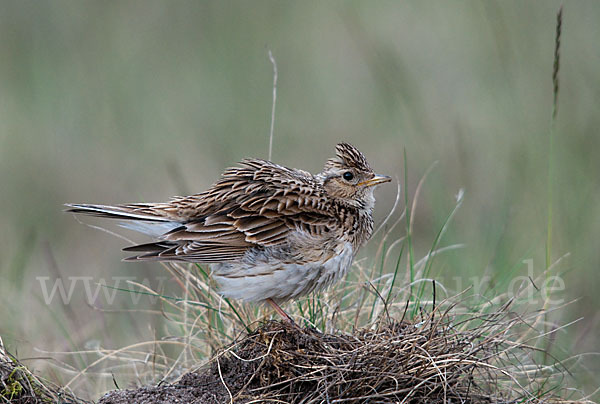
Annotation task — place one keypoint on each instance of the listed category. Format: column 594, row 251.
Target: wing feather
column 256, row 204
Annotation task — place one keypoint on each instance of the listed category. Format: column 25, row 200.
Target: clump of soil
column 427, row 362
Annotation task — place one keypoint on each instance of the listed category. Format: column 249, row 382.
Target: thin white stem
column 274, row 63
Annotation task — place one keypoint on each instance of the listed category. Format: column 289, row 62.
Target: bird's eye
column 348, row 176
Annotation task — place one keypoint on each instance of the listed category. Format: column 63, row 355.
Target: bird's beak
column 376, row 180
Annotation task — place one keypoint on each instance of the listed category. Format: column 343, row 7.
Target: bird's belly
column 260, row 279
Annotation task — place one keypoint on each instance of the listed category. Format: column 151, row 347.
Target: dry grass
column 18, row 385
column 442, row 358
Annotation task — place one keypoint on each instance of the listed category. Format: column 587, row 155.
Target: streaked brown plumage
column 269, row 232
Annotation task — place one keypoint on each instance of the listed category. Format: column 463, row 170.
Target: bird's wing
column 257, row 203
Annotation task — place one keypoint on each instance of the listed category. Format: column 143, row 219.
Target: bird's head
column 350, row 178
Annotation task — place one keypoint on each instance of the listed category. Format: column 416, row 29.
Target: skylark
column 270, row 233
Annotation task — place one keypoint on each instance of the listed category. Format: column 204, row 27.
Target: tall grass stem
column 274, row 63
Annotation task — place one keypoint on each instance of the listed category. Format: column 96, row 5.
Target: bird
column 269, row 233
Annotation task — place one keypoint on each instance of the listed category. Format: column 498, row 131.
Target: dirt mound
column 427, row 362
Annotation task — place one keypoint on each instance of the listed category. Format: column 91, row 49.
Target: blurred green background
column 128, row 101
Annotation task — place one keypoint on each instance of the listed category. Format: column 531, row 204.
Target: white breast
column 270, row 278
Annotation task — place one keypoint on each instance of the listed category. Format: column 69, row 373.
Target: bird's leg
column 280, row 311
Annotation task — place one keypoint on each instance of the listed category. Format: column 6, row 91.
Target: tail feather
column 147, row 219
column 149, row 247
column 157, row 251
column 153, row 229
column 133, row 217
column 114, row 212
column 151, row 251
